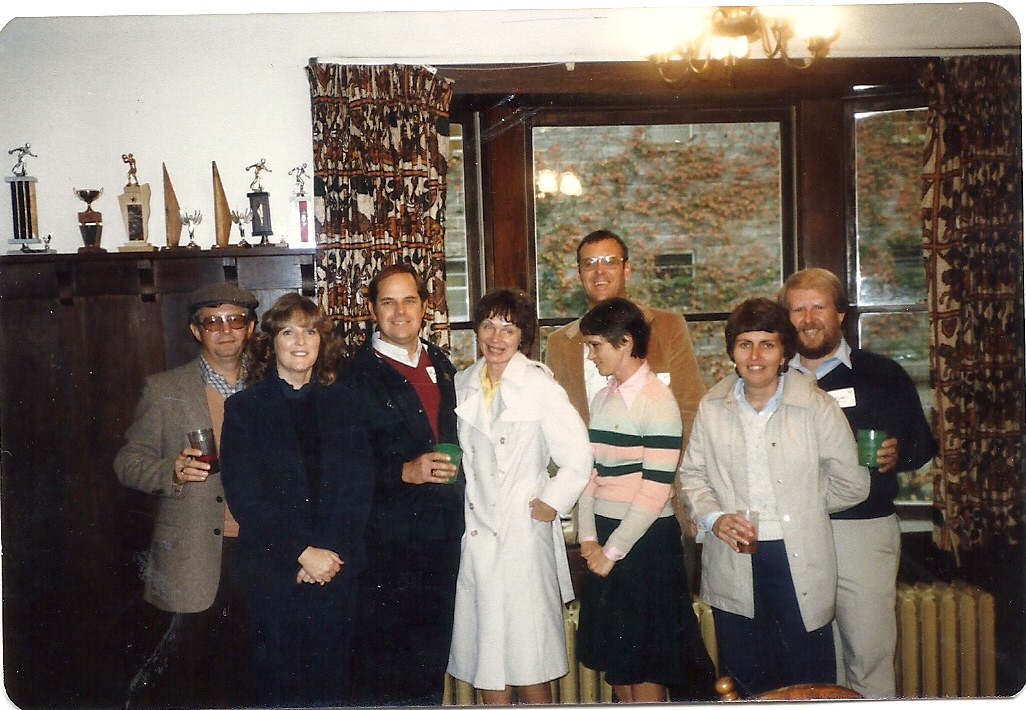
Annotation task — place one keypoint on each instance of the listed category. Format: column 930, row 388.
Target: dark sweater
column 885, row 398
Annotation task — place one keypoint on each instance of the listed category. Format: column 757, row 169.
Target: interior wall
column 189, row 90
column 182, row 91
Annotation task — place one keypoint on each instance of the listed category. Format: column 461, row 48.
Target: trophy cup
column 260, row 205
column 135, row 210
column 190, row 221
column 242, row 218
column 23, row 203
column 90, row 222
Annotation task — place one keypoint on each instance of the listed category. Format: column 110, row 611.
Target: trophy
column 23, row 203
column 190, row 221
column 90, row 222
column 172, row 212
column 242, row 218
column 135, row 210
column 259, row 203
column 300, row 205
column 222, row 220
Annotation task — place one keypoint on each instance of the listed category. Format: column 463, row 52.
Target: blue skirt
column 638, row 624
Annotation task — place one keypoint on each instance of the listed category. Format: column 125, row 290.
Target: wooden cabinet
column 78, row 334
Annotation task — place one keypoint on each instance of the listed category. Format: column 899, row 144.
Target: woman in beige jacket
column 768, row 440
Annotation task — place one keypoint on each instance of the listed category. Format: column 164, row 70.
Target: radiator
column 581, row 684
column 945, row 641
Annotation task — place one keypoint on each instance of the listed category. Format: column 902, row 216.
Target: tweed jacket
column 183, row 566
column 814, row 471
column 670, row 354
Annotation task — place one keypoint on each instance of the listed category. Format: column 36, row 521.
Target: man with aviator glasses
column 191, row 624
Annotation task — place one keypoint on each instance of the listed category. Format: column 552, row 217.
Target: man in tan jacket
column 190, row 628
column 603, row 267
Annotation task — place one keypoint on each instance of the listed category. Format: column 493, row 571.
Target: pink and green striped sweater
column 635, row 430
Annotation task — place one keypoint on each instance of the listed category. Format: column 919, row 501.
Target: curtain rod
column 369, row 61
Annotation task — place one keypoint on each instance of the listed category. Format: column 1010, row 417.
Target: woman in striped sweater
column 636, row 620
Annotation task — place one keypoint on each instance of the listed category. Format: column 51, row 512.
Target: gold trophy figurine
column 134, row 201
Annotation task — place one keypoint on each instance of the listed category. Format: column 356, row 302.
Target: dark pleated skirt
column 638, row 624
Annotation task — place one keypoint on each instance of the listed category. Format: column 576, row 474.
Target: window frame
column 913, row 516
column 783, row 116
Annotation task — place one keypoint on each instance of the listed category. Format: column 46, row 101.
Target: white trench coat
column 514, row 576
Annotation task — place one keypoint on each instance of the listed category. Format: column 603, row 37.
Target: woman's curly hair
column 295, row 309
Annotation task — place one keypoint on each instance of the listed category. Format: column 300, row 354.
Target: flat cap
column 216, row 294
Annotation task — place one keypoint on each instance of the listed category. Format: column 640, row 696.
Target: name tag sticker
column 664, row 377
column 845, row 397
column 431, row 373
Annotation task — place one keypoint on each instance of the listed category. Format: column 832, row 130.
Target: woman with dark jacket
column 297, row 476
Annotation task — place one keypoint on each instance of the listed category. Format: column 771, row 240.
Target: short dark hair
column 601, row 235
column 761, row 314
column 392, row 270
column 616, row 317
column 291, row 305
column 515, row 306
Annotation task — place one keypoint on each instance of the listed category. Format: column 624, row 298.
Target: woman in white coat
column 514, row 578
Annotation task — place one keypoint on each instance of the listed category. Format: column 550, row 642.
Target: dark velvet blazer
column 267, row 486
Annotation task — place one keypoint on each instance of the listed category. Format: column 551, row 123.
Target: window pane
column 457, row 293
column 699, row 206
column 888, row 167
column 463, row 348
column 905, row 337
column 711, row 351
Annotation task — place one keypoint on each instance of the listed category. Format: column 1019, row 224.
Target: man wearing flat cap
column 193, row 656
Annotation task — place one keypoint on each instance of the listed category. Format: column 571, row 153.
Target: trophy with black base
column 260, row 204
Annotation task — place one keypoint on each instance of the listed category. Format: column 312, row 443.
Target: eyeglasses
column 212, row 324
column 592, row 262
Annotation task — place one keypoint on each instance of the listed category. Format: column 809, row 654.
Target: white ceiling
column 582, row 31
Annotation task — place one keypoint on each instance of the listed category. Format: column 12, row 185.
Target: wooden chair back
column 802, row 691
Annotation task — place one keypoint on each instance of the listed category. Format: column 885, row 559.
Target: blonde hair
column 816, row 279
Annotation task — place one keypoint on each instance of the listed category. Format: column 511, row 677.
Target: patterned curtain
column 380, row 149
column 973, row 244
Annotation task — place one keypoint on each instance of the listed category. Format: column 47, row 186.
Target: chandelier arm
column 776, row 47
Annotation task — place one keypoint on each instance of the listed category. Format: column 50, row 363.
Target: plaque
column 222, row 215
column 172, row 212
column 134, row 201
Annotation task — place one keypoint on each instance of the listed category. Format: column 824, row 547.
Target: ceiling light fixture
column 725, row 36
column 551, row 183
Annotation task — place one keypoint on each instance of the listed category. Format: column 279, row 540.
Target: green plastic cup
column 455, row 454
column 869, row 441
